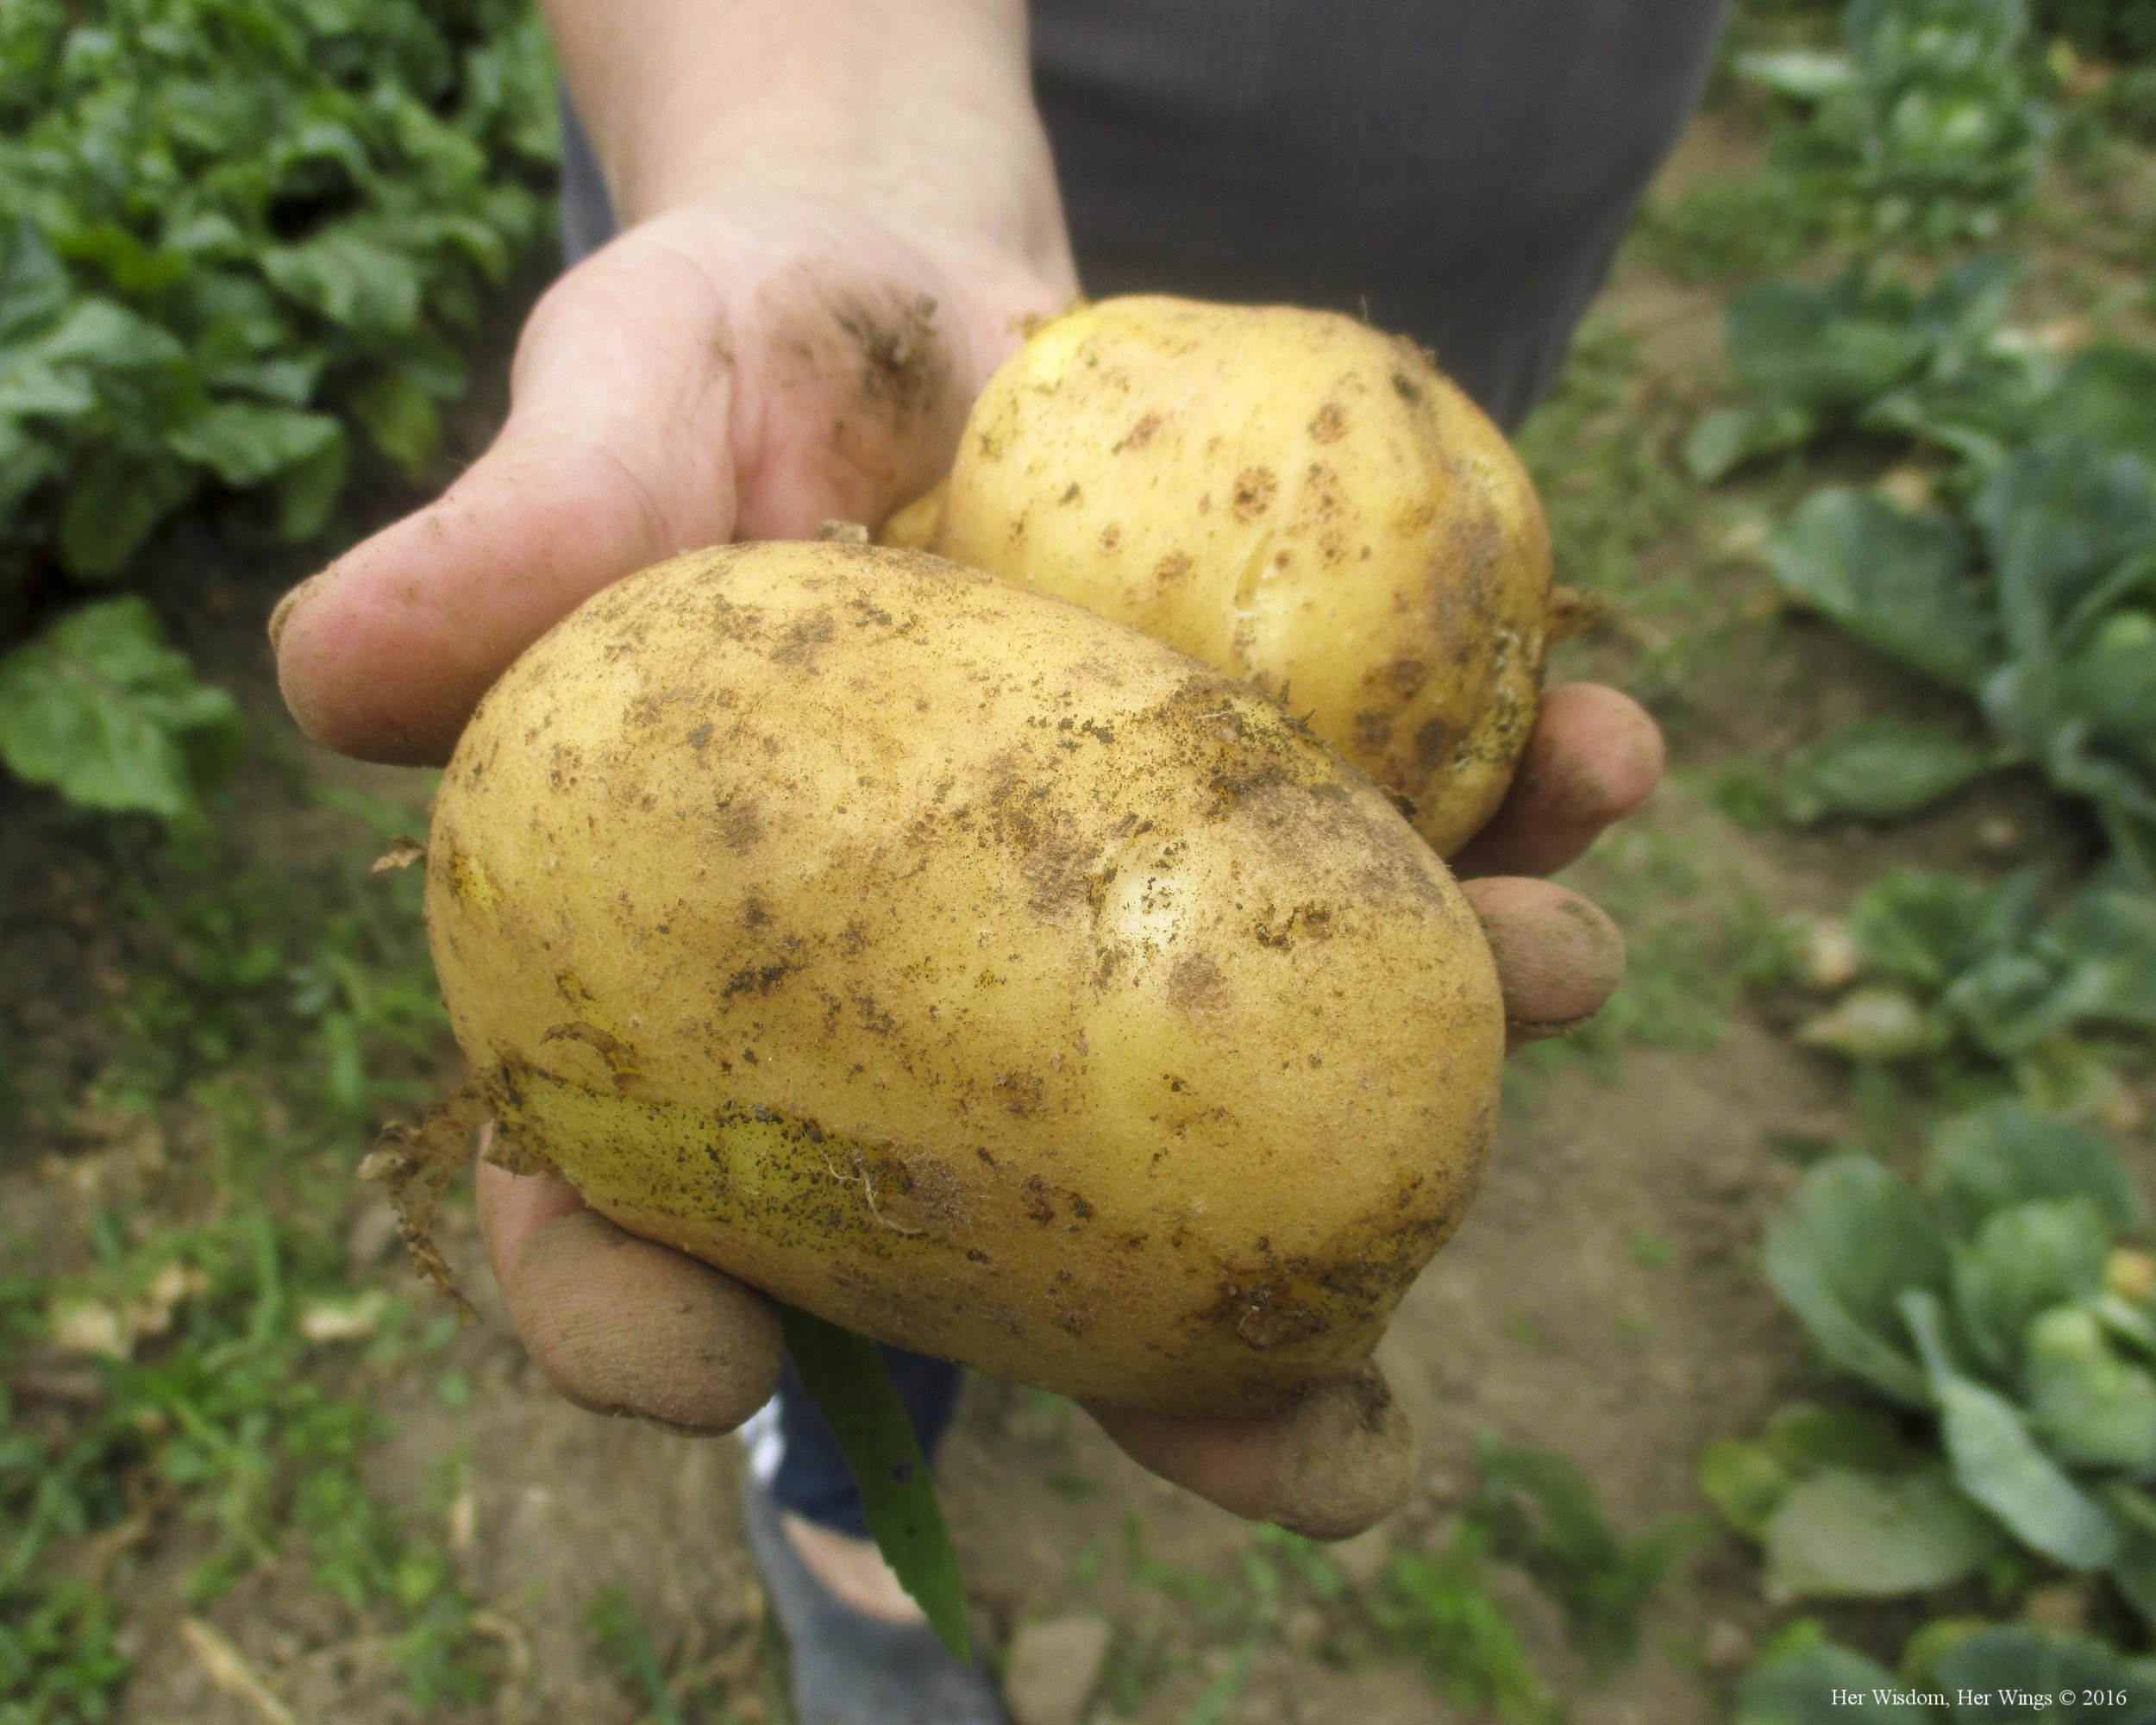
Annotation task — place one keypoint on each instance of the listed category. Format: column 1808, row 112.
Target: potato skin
column 968, row 969
column 1290, row 496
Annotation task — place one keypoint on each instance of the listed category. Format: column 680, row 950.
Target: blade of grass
column 846, row 1378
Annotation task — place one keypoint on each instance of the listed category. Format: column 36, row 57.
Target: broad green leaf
column 32, row 387
column 309, row 490
column 1998, row 1461
column 33, row 282
column 1900, row 582
column 2113, row 685
column 400, row 417
column 1880, row 770
column 1802, row 74
column 2058, row 520
column 115, row 506
column 291, row 381
column 2091, row 1408
column 2005, row 1154
column 2107, row 932
column 355, row 282
column 1979, row 410
column 1724, row 441
column 244, row 443
column 845, row 1377
column 1828, row 349
column 100, row 708
column 1920, row 927
column 1801, row 1687
column 1876, row 1022
column 2109, row 396
column 1745, row 1481
column 1841, row 1252
column 2134, row 1570
column 1842, row 1535
column 1861, row 1439
column 99, row 332
column 2012, row 1659
column 2025, row 1259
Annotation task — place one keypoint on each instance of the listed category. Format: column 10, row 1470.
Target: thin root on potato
column 415, row 1165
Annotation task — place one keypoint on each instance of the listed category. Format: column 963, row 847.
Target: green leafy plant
column 1869, row 352
column 1439, row 1604
column 1540, row 1512
column 846, row 1376
column 230, row 228
column 1923, row 128
column 1999, row 1327
column 99, row 707
column 2045, row 615
column 233, row 233
column 1969, row 980
column 1881, row 769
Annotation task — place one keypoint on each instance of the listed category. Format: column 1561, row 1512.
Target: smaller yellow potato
column 969, row 969
column 1291, row 496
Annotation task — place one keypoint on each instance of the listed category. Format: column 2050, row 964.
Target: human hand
column 739, row 368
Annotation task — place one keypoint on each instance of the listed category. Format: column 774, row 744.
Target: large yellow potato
column 966, row 969
column 1292, row 497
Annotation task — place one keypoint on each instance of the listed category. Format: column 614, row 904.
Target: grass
column 271, row 1016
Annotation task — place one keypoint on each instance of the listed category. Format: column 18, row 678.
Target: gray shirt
column 1458, row 169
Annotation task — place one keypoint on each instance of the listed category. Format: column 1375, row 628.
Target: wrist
column 915, row 113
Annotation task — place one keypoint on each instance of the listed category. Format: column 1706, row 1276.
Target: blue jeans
column 793, row 1450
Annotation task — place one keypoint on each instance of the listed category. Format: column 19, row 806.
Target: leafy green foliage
column 1880, row 770
column 1869, row 352
column 1972, row 980
column 1440, row 1604
column 101, row 708
column 230, row 227
column 1533, row 1510
column 1987, row 1309
column 1923, row 128
column 2048, row 617
column 59, row 1661
column 1798, row 1681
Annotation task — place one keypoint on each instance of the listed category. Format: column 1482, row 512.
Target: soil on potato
column 1603, row 1298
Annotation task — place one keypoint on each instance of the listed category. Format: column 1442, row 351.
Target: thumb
column 617, row 452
